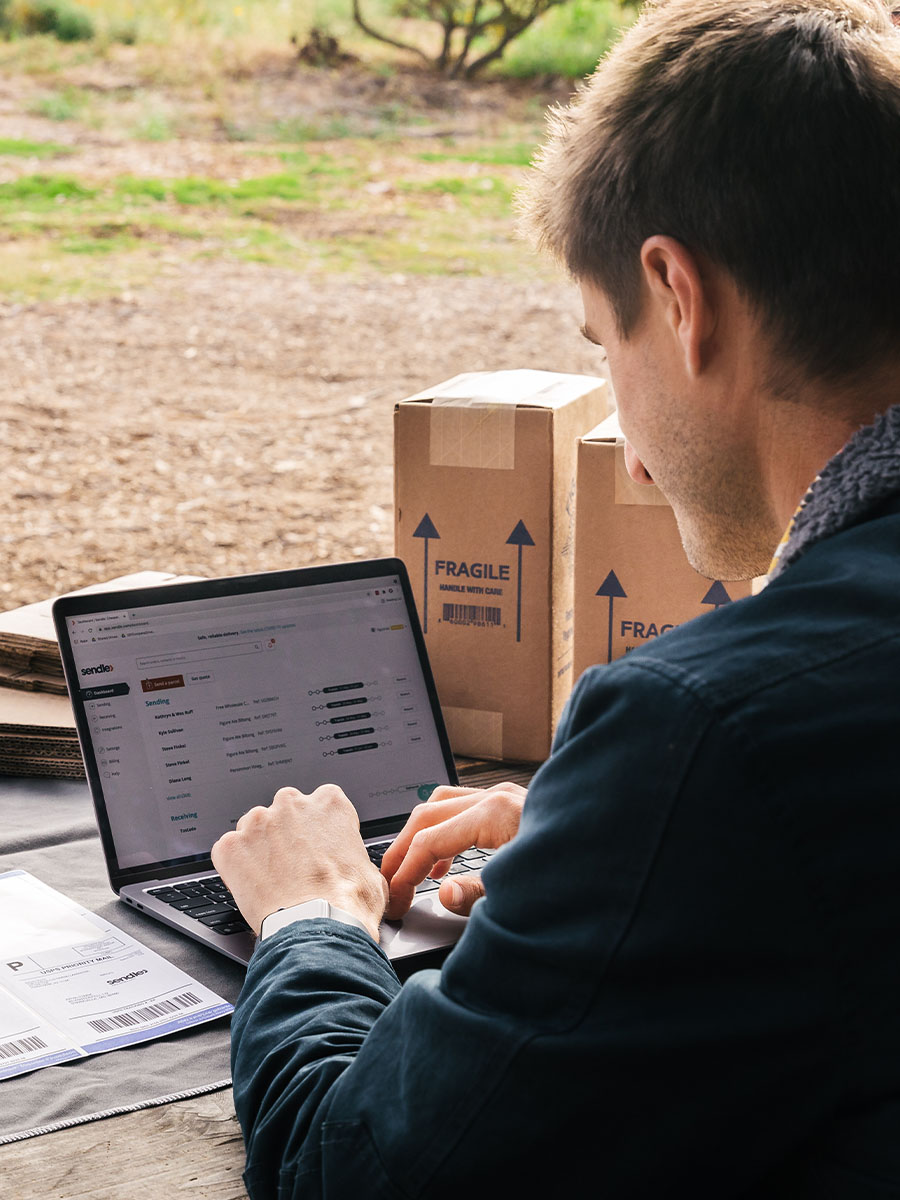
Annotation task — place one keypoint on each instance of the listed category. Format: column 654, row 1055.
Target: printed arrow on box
column 519, row 537
column 611, row 588
column 425, row 529
column 716, row 596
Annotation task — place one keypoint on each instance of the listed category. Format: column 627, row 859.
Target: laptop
column 196, row 701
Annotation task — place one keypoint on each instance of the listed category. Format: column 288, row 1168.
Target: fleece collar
column 860, row 477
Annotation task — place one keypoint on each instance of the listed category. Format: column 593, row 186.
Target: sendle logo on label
column 100, row 669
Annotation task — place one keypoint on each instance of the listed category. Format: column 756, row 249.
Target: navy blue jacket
column 684, row 979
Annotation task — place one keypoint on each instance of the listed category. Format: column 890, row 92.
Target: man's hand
column 300, row 848
column 451, row 821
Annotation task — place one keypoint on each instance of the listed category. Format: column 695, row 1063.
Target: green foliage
column 64, row 21
column 474, row 33
column 570, row 40
column 532, row 37
column 73, row 25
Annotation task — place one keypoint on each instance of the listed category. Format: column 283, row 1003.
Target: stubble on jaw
column 726, row 528
column 734, row 554
column 716, row 491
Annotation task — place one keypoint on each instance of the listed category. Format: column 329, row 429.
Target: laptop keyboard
column 469, row 862
column 208, row 899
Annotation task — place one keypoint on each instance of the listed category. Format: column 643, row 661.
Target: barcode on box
column 471, row 614
column 140, row 1016
column 23, row 1046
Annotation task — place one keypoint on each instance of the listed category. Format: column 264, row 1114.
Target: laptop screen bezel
column 213, row 589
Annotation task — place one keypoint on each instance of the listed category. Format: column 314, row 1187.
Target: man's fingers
column 437, row 831
column 222, row 848
column 460, row 893
column 440, row 869
column 446, row 802
column 428, row 847
column 251, row 817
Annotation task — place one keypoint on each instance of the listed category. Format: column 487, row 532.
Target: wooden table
column 190, row 1147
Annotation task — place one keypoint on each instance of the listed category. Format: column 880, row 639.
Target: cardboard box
column 633, row 581
column 484, row 489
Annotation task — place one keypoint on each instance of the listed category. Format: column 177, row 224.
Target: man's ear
column 677, row 286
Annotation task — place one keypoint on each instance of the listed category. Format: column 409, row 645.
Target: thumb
column 458, row 895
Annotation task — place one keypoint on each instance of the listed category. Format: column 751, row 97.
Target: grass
column 518, row 154
column 37, row 269
column 345, row 211
column 101, row 243
column 154, row 127
column 43, row 189
column 69, row 104
column 366, row 186
column 22, row 148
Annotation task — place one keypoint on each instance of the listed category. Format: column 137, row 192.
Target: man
column 683, row 976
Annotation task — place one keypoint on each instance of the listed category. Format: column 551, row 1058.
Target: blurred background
column 232, row 236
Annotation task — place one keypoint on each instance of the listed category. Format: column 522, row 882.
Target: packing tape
column 629, row 492
column 473, row 434
column 474, row 732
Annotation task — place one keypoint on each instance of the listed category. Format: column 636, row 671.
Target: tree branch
column 382, row 37
column 448, row 24
column 470, row 34
column 511, row 32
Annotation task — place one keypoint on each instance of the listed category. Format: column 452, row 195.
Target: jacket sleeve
column 645, row 971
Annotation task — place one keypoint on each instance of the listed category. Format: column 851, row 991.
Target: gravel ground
column 236, row 418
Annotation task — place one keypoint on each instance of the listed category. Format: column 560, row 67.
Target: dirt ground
column 233, row 417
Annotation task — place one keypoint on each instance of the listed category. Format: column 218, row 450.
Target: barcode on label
column 24, row 1045
column 471, row 614
column 140, row 1016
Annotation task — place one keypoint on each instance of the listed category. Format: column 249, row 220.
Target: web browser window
column 200, row 709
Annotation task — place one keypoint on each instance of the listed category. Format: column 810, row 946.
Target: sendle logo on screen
column 100, row 669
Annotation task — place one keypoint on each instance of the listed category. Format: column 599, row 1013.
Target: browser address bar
column 202, row 609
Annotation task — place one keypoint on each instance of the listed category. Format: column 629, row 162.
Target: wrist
column 310, row 910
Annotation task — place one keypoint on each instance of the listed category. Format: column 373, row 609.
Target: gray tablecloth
column 47, row 827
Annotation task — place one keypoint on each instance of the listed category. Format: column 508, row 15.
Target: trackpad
column 427, row 926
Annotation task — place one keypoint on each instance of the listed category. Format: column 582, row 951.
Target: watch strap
column 309, row 910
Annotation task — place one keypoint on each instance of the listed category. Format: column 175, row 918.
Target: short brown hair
column 763, row 135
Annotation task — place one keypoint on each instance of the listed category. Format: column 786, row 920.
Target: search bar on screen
column 204, row 655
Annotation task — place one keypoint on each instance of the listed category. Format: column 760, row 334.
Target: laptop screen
column 199, row 708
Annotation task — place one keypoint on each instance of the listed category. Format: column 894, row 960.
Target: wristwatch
column 307, row 911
